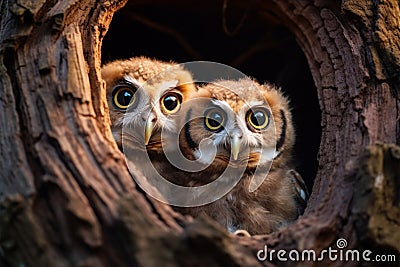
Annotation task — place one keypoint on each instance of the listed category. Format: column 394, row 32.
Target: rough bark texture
column 67, row 199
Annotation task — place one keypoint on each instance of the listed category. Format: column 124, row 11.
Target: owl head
column 143, row 94
column 236, row 123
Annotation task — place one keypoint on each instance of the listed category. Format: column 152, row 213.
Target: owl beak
column 235, row 146
column 148, row 130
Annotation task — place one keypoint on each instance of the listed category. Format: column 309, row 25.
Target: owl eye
column 258, row 118
column 214, row 120
column 171, row 102
column 124, row 96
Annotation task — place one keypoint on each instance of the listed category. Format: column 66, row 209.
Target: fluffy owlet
column 238, row 126
column 151, row 91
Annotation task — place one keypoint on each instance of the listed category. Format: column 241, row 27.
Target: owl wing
column 300, row 191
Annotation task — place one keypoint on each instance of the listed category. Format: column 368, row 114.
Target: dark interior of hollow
column 261, row 48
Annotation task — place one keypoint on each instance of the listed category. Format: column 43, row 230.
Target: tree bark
column 67, row 198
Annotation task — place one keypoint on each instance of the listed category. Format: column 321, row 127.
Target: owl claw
column 242, row 233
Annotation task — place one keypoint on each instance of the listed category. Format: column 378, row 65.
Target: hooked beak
column 148, row 130
column 235, row 146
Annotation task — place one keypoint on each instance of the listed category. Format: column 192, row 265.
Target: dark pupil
column 215, row 120
column 258, row 118
column 170, row 102
column 125, row 97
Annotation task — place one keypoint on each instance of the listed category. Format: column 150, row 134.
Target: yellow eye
column 124, row 96
column 258, row 118
column 171, row 102
column 214, row 120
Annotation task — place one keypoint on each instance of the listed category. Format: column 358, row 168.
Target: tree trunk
column 67, row 198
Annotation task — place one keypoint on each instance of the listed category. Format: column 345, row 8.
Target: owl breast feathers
column 238, row 124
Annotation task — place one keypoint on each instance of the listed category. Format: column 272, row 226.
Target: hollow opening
column 250, row 40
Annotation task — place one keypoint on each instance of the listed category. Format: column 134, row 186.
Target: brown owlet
column 243, row 125
column 142, row 93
